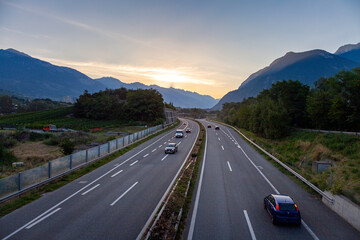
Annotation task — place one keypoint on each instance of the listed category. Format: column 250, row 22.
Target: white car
column 179, row 133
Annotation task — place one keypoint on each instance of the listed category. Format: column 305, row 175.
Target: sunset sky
column 207, row 46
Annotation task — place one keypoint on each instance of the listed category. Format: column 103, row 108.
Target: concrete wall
column 345, row 208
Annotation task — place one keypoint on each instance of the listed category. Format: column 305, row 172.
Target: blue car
column 282, row 209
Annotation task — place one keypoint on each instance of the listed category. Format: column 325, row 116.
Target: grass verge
column 17, row 202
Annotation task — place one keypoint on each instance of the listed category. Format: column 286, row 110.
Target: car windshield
column 286, row 207
column 171, row 145
column 179, row 132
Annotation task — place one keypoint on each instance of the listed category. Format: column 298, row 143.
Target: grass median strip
column 17, row 202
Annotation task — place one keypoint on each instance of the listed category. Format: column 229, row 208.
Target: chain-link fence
column 23, row 180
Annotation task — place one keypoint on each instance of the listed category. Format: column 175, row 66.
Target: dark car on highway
column 217, row 128
column 282, row 209
column 209, row 126
column 188, row 130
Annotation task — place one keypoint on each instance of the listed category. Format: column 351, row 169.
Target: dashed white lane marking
column 229, row 166
column 219, row 139
column 122, row 195
column 216, row 134
column 116, row 173
column 160, row 146
column 249, row 225
column 90, row 189
column 222, row 147
column 179, row 143
column 164, row 157
column 43, row 218
column 165, row 142
column 146, row 155
column 153, row 150
column 134, row 163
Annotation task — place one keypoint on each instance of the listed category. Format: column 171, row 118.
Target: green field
column 60, row 117
column 301, row 149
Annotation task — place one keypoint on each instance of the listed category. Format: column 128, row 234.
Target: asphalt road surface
column 228, row 201
column 114, row 201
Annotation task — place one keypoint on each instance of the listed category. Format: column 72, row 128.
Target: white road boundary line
column 272, row 186
column 43, row 218
column 72, row 195
column 122, row 195
column 134, row 163
column 90, row 189
column 116, row 173
column 229, row 166
column 196, row 205
column 249, row 225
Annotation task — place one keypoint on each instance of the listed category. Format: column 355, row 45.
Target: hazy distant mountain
column 179, row 97
column 31, row 77
column 350, row 51
column 34, row 78
column 307, row 67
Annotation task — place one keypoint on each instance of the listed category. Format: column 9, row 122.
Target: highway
column 115, row 201
column 228, row 199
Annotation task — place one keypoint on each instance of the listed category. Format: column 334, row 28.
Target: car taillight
column 277, row 207
column 296, row 207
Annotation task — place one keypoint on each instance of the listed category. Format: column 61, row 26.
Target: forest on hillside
column 333, row 104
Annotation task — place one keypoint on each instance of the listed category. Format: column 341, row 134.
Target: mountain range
column 307, row 67
column 34, row 78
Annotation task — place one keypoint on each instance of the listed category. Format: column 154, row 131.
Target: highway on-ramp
column 114, row 201
column 228, row 201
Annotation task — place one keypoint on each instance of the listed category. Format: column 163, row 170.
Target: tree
column 6, row 105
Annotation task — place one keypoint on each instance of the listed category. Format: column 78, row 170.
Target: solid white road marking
column 43, row 218
column 229, row 166
column 133, row 163
column 309, row 230
column 91, row 189
column 146, row 155
column 164, row 157
column 122, row 195
column 153, row 150
column 222, row 147
column 116, row 173
column 249, row 225
column 260, row 167
column 196, row 205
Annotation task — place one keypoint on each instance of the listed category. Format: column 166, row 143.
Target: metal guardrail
column 22, row 182
column 284, row 165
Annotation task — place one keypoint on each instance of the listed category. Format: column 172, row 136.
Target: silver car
column 171, row 148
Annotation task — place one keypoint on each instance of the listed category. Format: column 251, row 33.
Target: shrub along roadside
column 172, row 221
column 17, row 202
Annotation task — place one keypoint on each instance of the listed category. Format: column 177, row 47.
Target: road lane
column 225, row 195
column 91, row 216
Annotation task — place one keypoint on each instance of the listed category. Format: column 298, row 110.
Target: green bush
column 67, row 146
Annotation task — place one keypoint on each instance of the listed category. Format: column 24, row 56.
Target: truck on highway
column 52, row 128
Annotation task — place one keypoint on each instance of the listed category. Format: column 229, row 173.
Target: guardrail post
column 20, row 180
column 99, row 151
column 108, row 147
column 49, row 169
column 71, row 161
column 87, row 156
column 117, row 143
column 128, row 139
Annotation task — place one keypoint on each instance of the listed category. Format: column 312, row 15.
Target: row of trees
column 333, row 104
column 145, row 105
